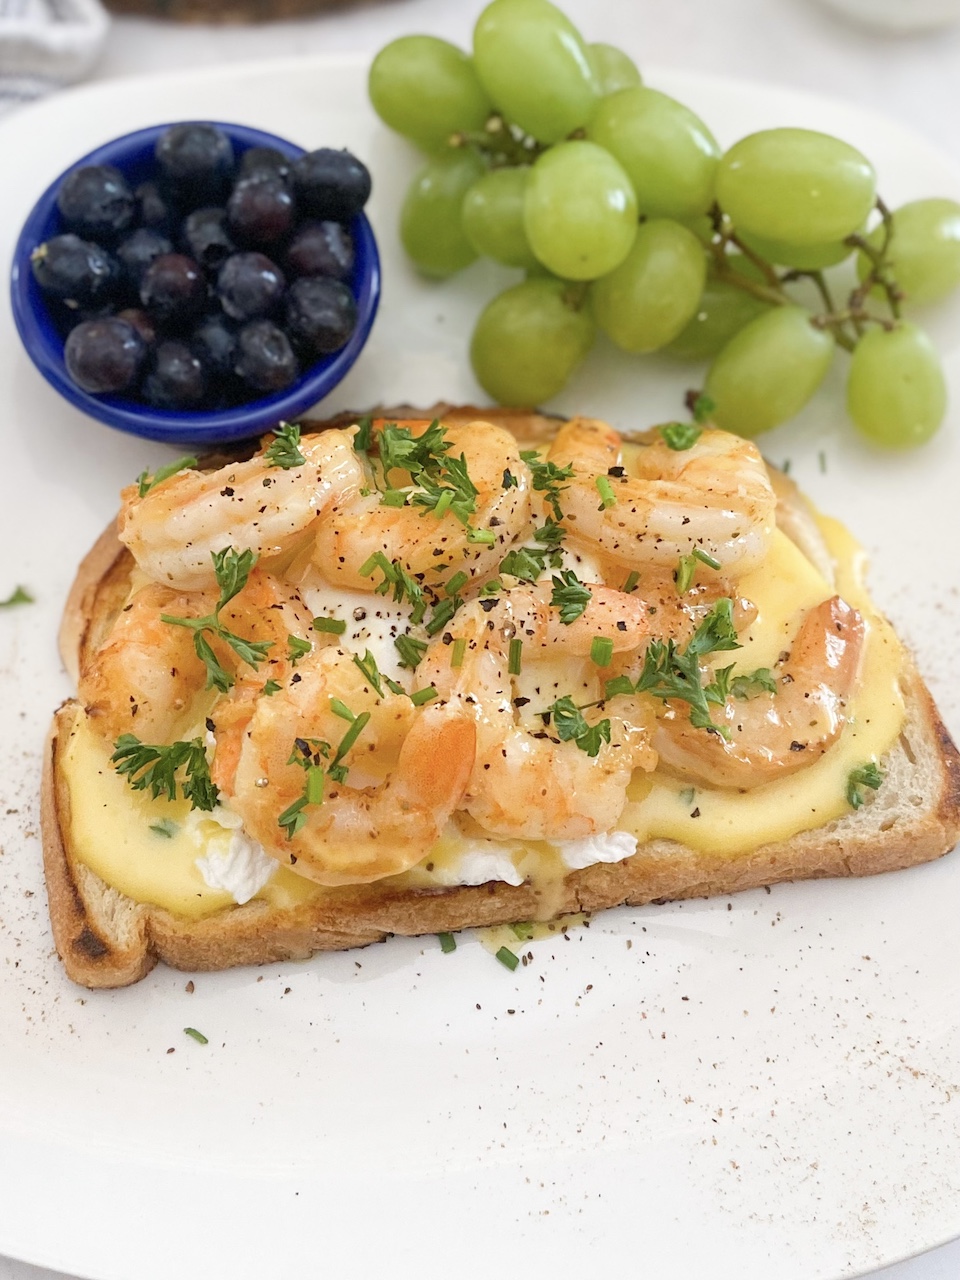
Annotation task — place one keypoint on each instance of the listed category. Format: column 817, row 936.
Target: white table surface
column 793, row 42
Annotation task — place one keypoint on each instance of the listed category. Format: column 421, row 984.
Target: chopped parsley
column 156, row 768
column 232, row 570
column 528, row 563
column 570, row 726
column 671, row 673
column 751, row 686
column 297, row 649
column 285, row 450
column 867, row 775
column 570, row 596
column 703, row 408
column 404, row 586
column 270, row 688
column 680, row 435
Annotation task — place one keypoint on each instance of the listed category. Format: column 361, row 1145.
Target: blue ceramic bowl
column 133, row 156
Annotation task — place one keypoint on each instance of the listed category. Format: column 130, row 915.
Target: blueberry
column 265, row 359
column 141, row 322
column 96, row 201
column 264, row 160
column 321, row 249
column 104, row 356
column 75, row 271
column 260, row 210
column 320, row 315
column 173, row 288
column 215, row 342
column 196, row 161
column 249, row 285
column 207, row 238
column 155, row 208
column 331, row 184
column 138, row 250
column 176, row 379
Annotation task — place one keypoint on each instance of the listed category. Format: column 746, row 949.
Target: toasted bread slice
column 106, row 939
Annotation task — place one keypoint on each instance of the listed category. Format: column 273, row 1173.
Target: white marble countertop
column 793, row 42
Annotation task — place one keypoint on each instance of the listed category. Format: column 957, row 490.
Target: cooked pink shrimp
column 526, row 782
column 176, row 527
column 714, row 497
column 416, row 761
column 773, row 735
column 146, row 673
column 356, row 527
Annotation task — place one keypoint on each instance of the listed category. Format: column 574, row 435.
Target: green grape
column 427, row 89
column 768, row 371
column 924, row 252
column 896, row 392
column 802, row 257
column 702, row 228
column 669, row 154
column 647, row 301
column 430, row 226
column 797, row 186
column 493, row 217
column 580, row 213
column 723, row 310
column 533, row 63
column 613, row 68
column 528, row 341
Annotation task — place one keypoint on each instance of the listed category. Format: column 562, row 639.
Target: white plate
column 763, row 1086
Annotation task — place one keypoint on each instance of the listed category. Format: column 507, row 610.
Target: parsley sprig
column 528, row 563
column 156, row 768
column 232, row 569
column 570, row 726
column 146, row 481
column 570, row 596
column 673, row 673
column 547, row 478
column 439, row 482
column 285, row 450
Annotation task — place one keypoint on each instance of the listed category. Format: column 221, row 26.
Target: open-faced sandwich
column 409, row 675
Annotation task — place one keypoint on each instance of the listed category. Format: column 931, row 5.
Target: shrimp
column 146, row 676
column 428, row 548
column 416, row 761
column 526, row 782
column 176, row 527
column 146, row 673
column 773, row 735
column 714, row 497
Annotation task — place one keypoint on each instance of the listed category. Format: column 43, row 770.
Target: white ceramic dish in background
column 733, row 1089
column 901, row 16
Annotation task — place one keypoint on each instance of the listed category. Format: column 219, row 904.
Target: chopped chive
column 447, row 942
column 706, row 559
column 393, row 498
column 618, row 685
column 684, row 574
column 823, row 462
column 314, row 788
column 331, row 626
column 370, row 564
column 350, row 737
column 442, row 614
column 605, row 489
column 456, row 582
column 270, row 688
column 492, row 587
column 601, row 651
column 19, row 595
column 297, row 648
column 342, row 710
column 508, row 958
column 523, row 930
column 485, row 536
column 444, row 503
column 458, row 651
column 680, row 436
column 411, row 651
column 194, row 1034
column 424, row 695
column 514, row 661
column 630, row 583
column 367, row 665
column 164, row 828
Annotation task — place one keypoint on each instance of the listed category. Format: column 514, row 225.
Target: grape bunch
column 217, row 281
column 550, row 155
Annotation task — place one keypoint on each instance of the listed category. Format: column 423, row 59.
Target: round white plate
column 735, row 1089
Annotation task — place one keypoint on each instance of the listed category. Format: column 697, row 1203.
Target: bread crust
column 107, row 940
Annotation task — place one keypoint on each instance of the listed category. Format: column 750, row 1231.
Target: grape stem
column 879, row 273
column 502, row 143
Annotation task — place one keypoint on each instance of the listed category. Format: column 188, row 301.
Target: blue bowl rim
column 238, row 423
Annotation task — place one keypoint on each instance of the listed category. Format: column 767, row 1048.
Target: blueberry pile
column 218, row 281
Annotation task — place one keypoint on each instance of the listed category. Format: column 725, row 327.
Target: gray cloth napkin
column 45, row 44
